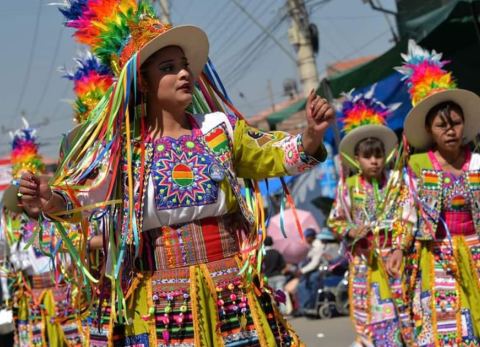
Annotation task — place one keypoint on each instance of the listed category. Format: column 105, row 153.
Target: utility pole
column 165, row 11
column 299, row 36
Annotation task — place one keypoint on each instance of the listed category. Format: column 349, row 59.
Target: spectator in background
column 330, row 246
column 274, row 265
column 274, row 268
column 308, row 272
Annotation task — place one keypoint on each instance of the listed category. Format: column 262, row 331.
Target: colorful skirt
column 446, row 303
column 44, row 316
column 190, row 294
column 378, row 303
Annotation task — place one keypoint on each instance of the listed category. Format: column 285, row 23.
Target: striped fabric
column 202, row 241
column 42, row 281
column 190, row 294
column 459, row 223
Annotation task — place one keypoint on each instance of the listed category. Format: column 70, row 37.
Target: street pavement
column 335, row 332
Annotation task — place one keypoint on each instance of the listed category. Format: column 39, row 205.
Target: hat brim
column 191, row 39
column 386, row 135
column 414, row 125
column 10, row 200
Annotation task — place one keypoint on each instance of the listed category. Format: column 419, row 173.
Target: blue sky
column 35, row 44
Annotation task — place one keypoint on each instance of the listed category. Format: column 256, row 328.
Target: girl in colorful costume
column 368, row 214
column 43, row 300
column 181, row 253
column 445, row 182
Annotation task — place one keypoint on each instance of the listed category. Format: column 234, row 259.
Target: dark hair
column 268, row 241
column 443, row 110
column 370, row 146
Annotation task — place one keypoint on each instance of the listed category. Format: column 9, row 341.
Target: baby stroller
column 332, row 297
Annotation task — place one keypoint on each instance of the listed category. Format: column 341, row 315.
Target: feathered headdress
column 364, row 116
column 364, row 109
column 91, row 80
column 25, row 156
column 113, row 29
column 429, row 84
column 423, row 72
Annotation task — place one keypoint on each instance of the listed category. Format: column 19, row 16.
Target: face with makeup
column 167, row 79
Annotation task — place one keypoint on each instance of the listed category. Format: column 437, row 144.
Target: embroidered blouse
column 188, row 177
column 456, row 212
column 436, row 194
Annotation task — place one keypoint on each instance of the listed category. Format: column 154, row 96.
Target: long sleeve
column 315, row 255
column 258, row 154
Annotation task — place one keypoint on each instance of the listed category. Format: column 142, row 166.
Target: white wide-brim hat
column 414, row 125
column 191, row 39
column 386, row 135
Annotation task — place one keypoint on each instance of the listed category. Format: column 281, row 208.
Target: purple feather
column 74, row 9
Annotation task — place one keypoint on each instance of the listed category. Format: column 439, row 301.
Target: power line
column 387, row 15
column 370, row 16
column 258, row 11
column 30, row 59
column 248, row 54
column 332, row 37
column 220, row 10
column 339, row 32
column 227, row 19
column 368, row 43
column 50, row 70
column 245, row 64
column 229, row 41
column 264, row 29
column 318, row 4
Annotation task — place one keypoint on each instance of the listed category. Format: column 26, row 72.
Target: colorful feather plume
column 25, row 156
column 91, row 81
column 364, row 109
column 108, row 27
column 424, row 73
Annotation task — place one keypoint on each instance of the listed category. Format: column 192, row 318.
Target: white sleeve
column 315, row 259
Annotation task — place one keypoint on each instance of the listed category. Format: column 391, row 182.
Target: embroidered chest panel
column 456, row 196
column 364, row 204
column 181, row 173
column 185, row 172
column 439, row 192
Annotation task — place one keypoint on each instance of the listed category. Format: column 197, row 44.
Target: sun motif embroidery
column 181, row 177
